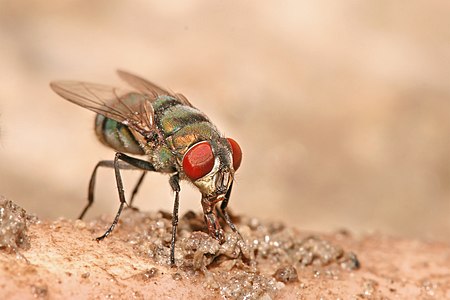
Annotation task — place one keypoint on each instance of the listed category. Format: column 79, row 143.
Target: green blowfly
column 176, row 138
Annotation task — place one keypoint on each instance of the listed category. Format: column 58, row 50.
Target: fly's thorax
column 117, row 136
column 186, row 137
column 180, row 126
column 163, row 102
column 171, row 116
column 163, row 159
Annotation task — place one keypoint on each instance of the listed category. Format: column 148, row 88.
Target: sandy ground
column 60, row 259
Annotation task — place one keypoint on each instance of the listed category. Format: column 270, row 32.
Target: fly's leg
column 225, row 214
column 174, row 182
column 103, row 163
column 134, row 163
column 136, row 188
column 211, row 220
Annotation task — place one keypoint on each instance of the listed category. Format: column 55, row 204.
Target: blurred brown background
column 342, row 108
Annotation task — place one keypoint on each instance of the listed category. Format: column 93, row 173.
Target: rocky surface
column 272, row 261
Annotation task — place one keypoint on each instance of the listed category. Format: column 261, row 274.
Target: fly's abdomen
column 116, row 135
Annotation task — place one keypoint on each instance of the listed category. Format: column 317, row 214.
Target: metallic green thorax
column 179, row 126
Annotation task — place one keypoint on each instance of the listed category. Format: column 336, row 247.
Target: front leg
column 223, row 208
column 174, row 182
column 211, row 220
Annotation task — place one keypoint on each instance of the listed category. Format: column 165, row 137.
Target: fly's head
column 210, row 165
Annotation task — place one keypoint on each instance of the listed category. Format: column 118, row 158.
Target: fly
column 176, row 138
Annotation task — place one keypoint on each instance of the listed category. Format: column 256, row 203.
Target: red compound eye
column 237, row 153
column 198, row 161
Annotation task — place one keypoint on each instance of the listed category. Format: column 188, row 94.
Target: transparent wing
column 129, row 108
column 149, row 88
